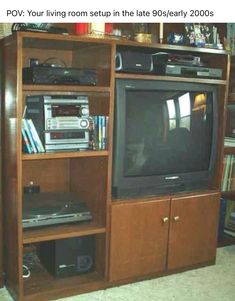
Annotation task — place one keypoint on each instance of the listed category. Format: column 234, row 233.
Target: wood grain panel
column 193, row 237
column 52, row 175
column 88, row 178
column 98, row 57
column 12, row 165
column 171, row 78
column 100, row 254
column 222, row 96
column 1, row 215
column 61, row 57
column 63, row 155
column 138, row 243
column 62, row 231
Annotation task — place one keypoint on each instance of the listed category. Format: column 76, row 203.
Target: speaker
column 132, row 61
column 68, row 257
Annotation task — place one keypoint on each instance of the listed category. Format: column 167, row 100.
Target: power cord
column 26, row 271
column 30, row 260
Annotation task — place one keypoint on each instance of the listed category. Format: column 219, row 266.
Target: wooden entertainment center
column 135, row 238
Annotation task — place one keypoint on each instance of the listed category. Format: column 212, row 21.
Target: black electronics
column 165, row 137
column 131, row 61
column 180, row 59
column 192, row 71
column 185, row 59
column 48, row 75
column 49, row 208
column 62, row 121
column 38, row 27
column 183, row 65
column 68, row 257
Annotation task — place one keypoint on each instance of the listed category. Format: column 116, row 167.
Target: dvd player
column 192, row 71
column 49, row 208
column 48, row 75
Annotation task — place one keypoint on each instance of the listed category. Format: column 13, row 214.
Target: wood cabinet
column 85, row 173
column 163, row 235
column 138, row 243
column 134, row 238
column 193, row 230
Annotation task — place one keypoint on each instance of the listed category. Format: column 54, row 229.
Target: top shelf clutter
column 87, row 52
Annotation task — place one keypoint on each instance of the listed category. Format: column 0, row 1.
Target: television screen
column 165, row 137
column 167, row 132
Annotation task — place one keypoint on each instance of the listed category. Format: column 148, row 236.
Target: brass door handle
column 176, row 218
column 165, row 219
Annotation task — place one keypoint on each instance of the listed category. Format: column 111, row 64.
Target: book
column 35, row 136
column 26, row 143
column 229, row 232
column 229, row 224
column 98, row 132
column 29, row 135
column 226, row 173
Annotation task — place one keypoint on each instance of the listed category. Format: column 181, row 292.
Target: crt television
column 165, row 137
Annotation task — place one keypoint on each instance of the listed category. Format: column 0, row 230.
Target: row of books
column 228, row 175
column 229, row 141
column 31, row 141
column 229, row 224
column 99, row 132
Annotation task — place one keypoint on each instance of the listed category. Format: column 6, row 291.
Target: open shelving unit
column 89, row 173
column 229, row 150
column 83, row 172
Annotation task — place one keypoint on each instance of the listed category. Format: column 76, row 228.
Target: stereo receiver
column 62, row 121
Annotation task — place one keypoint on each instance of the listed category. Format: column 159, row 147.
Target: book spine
column 230, row 173
column 26, row 141
column 229, row 232
column 36, row 137
column 103, row 131
column 100, row 131
column 29, row 135
column 226, row 173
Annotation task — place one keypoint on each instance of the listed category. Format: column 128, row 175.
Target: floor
column 213, row 283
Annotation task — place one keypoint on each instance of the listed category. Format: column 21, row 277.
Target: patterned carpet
column 213, row 283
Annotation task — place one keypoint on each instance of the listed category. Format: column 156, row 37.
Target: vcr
column 192, row 71
column 48, row 75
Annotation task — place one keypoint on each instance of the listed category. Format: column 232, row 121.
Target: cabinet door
column 193, row 230
column 138, row 238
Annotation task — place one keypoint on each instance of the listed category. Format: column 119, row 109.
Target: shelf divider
column 61, row 155
column 62, row 231
column 66, row 88
column 170, row 78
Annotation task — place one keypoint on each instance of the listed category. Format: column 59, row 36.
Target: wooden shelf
column 62, row 231
column 170, row 78
column 65, row 88
column 41, row 285
column 228, row 195
column 229, row 150
column 69, row 42
column 231, row 98
column 226, row 240
column 171, row 47
column 62, row 155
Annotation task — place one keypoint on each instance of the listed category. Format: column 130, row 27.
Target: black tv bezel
column 129, row 187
